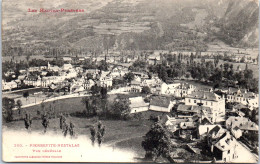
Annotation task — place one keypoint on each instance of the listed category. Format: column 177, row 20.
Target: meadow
column 120, row 134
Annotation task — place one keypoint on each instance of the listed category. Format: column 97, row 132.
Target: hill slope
column 135, row 24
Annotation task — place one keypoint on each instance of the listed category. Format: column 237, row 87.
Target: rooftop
column 160, row 101
column 204, row 95
column 136, row 102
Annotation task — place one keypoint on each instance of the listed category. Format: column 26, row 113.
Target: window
column 211, row 103
column 194, row 101
column 189, row 100
column 206, row 103
column 228, row 152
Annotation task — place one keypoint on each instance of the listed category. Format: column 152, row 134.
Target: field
column 126, row 135
column 119, row 134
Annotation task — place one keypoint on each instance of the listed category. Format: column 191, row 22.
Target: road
column 244, row 155
column 116, row 91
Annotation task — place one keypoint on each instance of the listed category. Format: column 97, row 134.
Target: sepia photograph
column 162, row 81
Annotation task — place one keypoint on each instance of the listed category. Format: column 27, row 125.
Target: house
column 33, row 80
column 141, row 75
column 203, row 130
column 67, row 67
column 76, row 88
column 87, row 84
column 71, row 74
column 106, row 81
column 161, row 104
column 187, row 111
column 244, row 124
column 67, row 59
column 8, row 85
column 188, row 125
column 177, row 89
column 54, row 68
column 135, row 86
column 137, row 104
column 151, row 82
column 93, row 72
column 244, row 97
column 22, row 71
column 168, row 89
column 225, row 148
column 154, row 59
column 203, row 114
column 207, row 99
column 172, row 123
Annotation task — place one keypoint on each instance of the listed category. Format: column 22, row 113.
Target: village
column 215, row 123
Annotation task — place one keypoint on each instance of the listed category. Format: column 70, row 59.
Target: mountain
column 239, row 25
column 134, row 24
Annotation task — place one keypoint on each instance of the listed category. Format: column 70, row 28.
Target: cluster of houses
column 203, row 112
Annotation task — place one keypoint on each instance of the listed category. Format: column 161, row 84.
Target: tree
column 45, row 122
column 26, row 95
column 128, row 77
column 27, row 121
column 103, row 92
column 62, row 121
column 71, row 130
column 19, row 105
column 65, row 129
column 242, row 60
column 86, row 101
column 95, row 90
column 103, row 65
column 93, row 134
column 28, row 56
column 253, row 116
column 89, row 76
column 8, row 105
column 99, row 138
column 216, row 61
column 157, row 142
column 100, row 133
column 146, row 90
column 120, row 108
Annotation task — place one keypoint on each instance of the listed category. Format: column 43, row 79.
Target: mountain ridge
column 156, row 24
